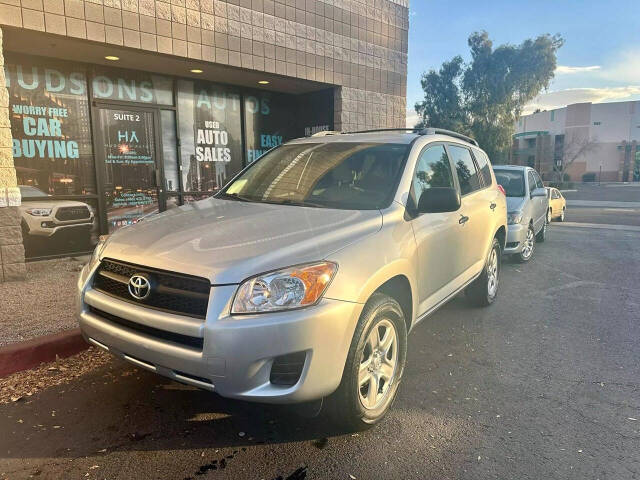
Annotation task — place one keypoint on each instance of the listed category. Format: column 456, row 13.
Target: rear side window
column 432, row 170
column 483, row 164
column 465, row 168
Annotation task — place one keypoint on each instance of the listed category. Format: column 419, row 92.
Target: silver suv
column 528, row 204
column 302, row 277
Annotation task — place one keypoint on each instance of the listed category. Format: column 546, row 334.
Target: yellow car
column 557, row 205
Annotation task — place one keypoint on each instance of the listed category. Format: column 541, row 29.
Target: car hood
column 227, row 241
column 515, row 204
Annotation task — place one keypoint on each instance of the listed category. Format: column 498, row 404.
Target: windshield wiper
column 295, row 203
column 233, row 196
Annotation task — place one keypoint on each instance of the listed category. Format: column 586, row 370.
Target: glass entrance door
column 129, row 150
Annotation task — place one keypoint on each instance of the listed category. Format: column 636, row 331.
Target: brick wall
column 360, row 46
column 11, row 249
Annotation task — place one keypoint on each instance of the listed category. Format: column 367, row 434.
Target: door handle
column 463, row 219
column 492, row 206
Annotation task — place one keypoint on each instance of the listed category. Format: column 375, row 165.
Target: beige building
column 114, row 109
column 544, row 140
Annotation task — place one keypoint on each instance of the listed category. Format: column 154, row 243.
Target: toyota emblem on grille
column 139, row 287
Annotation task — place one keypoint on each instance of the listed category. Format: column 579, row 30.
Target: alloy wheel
column 378, row 365
column 527, row 248
column 492, row 273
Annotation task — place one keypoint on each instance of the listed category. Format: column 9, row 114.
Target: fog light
column 47, row 224
column 286, row 369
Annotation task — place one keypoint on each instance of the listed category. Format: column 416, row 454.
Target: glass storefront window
column 129, row 154
column 50, row 126
column 169, row 152
column 128, row 86
column 270, row 120
column 210, row 135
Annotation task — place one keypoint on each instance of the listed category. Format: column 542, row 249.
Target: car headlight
column 514, row 218
column 286, row 289
column 95, row 257
column 39, row 212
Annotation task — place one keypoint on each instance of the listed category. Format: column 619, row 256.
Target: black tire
column 561, row 217
column 542, row 234
column 344, row 406
column 520, row 257
column 481, row 293
column 549, row 215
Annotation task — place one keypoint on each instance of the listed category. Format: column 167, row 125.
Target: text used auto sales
column 212, row 143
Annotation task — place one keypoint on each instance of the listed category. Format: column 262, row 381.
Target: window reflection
column 210, row 134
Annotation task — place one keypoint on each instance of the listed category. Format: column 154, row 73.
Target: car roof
column 399, row 136
column 369, row 137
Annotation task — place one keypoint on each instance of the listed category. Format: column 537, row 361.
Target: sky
column 599, row 62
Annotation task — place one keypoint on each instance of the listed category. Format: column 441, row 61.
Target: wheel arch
column 501, row 235
column 399, row 288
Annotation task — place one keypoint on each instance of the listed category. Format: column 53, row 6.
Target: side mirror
column 538, row 192
column 439, row 199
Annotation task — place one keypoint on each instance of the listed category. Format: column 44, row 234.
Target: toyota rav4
column 302, row 277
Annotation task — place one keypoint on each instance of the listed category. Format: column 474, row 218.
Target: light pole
column 600, row 175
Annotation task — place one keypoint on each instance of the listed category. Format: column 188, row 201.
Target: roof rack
column 387, row 130
column 324, row 133
column 442, row 131
column 424, row 131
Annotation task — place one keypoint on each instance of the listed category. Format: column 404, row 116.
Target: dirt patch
column 41, row 304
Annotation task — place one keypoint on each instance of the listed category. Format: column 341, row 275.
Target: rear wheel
column 542, row 234
column 374, row 366
column 528, row 247
column 484, row 289
column 549, row 216
column 561, row 217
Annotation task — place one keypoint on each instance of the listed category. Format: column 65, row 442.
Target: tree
column 576, row 145
column 485, row 97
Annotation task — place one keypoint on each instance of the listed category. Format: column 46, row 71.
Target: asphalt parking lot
column 544, row 384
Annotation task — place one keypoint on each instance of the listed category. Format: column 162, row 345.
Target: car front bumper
column 516, row 235
column 237, row 352
column 55, row 228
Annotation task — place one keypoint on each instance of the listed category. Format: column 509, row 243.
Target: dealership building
column 111, row 110
column 601, row 138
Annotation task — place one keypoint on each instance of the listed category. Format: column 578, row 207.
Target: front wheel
column 549, row 216
column 528, row 246
column 374, row 366
column 484, row 289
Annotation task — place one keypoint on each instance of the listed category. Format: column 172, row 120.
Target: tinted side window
column 483, row 164
column 466, row 169
column 539, row 183
column 432, row 170
column 532, row 182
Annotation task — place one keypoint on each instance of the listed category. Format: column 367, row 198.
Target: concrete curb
column 31, row 353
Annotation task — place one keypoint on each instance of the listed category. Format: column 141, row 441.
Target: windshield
column 349, row 176
column 512, row 181
column 27, row 191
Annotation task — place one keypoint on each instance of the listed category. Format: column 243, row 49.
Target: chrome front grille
column 172, row 292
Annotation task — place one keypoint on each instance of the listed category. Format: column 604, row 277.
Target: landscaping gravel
column 43, row 303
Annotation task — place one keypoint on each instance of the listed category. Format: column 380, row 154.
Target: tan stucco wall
column 11, row 249
column 358, row 46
